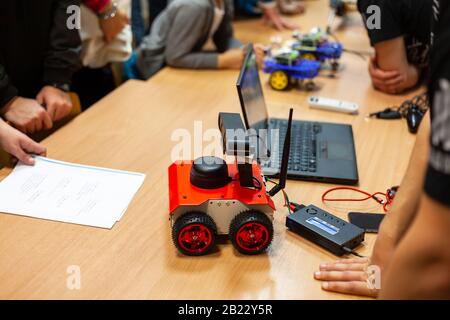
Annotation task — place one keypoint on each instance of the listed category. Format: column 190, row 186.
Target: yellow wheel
column 279, row 80
column 309, row 56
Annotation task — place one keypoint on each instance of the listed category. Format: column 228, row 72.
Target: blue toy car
column 289, row 68
column 316, row 46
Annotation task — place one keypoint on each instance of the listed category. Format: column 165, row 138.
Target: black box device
column 325, row 229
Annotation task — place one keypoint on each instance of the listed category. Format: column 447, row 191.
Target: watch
column 61, row 86
column 111, row 13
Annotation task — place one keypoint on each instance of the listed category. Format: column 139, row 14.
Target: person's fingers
column 32, row 147
column 30, row 127
column 340, row 275
column 23, row 156
column 382, row 86
column 38, row 123
column 350, row 287
column 289, row 25
column 51, row 106
column 109, row 37
column 277, row 22
column 13, row 161
column 352, row 260
column 379, row 74
column 60, row 110
column 47, row 120
column 394, row 81
column 40, row 98
column 21, row 128
column 384, row 75
column 343, row 267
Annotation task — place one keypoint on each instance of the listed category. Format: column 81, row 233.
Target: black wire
column 259, row 184
column 421, row 101
column 361, row 54
column 350, row 251
column 287, row 202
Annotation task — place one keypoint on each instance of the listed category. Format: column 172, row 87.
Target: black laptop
column 319, row 151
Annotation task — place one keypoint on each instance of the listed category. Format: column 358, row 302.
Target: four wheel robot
column 300, row 60
column 209, row 197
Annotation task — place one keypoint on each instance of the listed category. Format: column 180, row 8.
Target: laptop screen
column 250, row 93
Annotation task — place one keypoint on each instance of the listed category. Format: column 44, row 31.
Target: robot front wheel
column 251, row 232
column 279, row 80
column 194, row 234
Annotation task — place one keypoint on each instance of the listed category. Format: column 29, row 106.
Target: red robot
column 209, row 197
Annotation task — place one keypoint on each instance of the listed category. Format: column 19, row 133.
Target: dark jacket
column 179, row 34
column 36, row 47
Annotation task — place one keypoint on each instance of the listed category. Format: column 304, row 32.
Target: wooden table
column 131, row 129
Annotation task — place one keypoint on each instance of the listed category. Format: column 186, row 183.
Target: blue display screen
column 323, row 225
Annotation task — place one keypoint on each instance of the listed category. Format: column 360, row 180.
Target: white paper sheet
column 69, row 192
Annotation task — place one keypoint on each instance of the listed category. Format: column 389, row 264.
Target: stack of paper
column 68, row 192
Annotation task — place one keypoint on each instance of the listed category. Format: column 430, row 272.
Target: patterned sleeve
column 437, row 182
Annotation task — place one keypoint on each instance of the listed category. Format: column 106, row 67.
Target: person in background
column 412, row 247
column 140, row 29
column 111, row 19
column 270, row 11
column 195, row 34
column 38, row 56
column 93, row 83
column 401, row 44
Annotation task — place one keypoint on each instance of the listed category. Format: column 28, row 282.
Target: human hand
column 19, row 145
column 113, row 26
column 27, row 115
column 291, row 7
column 272, row 16
column 231, row 59
column 259, row 53
column 394, row 81
column 57, row 102
column 349, row 276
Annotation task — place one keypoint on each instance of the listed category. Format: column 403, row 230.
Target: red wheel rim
column 195, row 238
column 252, row 236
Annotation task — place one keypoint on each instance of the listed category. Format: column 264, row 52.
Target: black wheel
column 194, row 234
column 335, row 66
column 251, row 232
column 310, row 86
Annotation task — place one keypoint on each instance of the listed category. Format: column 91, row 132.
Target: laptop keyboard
column 303, row 153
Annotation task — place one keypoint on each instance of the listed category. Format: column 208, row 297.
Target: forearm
column 196, row 60
column 407, row 200
column 421, row 263
column 391, row 56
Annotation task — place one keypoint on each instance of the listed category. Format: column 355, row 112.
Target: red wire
column 385, row 203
